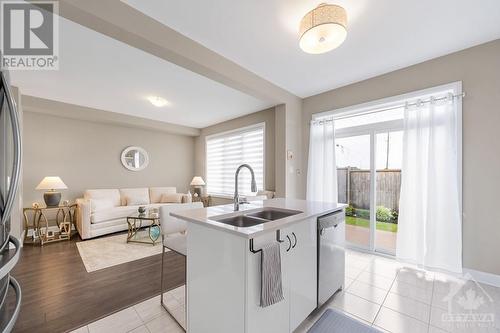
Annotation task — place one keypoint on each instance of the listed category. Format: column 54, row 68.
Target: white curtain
column 322, row 171
column 430, row 228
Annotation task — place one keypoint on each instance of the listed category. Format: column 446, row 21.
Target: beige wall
column 266, row 116
column 87, row 155
column 479, row 70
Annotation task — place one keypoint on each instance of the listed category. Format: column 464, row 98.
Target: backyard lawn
column 392, row 227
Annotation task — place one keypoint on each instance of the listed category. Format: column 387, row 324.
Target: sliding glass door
column 369, row 155
column 353, row 179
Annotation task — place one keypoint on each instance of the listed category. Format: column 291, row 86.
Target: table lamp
column 51, row 197
column 197, row 182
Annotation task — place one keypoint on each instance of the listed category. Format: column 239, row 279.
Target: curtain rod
column 406, row 104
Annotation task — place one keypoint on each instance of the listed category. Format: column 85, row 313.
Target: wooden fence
column 354, row 187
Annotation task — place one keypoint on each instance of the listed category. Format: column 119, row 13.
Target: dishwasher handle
column 331, row 220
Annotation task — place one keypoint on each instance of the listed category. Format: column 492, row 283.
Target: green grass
column 351, row 220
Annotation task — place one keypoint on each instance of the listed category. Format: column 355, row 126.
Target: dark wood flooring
column 59, row 295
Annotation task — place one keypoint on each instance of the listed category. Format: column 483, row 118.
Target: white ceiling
column 383, row 35
column 100, row 72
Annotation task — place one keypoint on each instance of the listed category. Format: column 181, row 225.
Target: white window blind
column 225, row 152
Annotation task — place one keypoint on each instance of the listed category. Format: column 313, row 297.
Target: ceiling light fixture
column 157, row 101
column 323, row 29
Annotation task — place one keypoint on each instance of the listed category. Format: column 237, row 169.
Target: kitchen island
column 223, row 264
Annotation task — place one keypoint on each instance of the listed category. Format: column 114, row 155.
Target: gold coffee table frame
column 134, row 223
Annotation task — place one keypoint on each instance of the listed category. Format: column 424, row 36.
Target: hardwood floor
column 59, row 295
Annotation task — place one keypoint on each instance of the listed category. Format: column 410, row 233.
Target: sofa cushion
column 101, row 204
column 120, row 212
column 171, row 198
column 155, row 193
column 107, row 194
column 136, row 196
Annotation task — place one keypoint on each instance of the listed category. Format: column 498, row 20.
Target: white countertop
column 309, row 209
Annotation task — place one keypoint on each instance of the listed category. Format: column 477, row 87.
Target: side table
column 39, row 223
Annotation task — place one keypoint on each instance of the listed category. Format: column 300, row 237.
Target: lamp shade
column 51, row 183
column 197, row 181
column 323, row 29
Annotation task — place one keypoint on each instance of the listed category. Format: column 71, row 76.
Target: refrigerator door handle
column 16, row 170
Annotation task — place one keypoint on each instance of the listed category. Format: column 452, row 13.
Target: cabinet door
column 302, row 270
column 274, row 318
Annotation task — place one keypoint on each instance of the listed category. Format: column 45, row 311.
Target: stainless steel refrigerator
column 10, row 166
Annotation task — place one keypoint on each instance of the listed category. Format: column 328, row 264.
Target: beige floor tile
column 368, row 292
column 356, row 306
column 352, row 272
column 120, row 322
column 150, row 308
column 163, row 324
column 376, row 280
column 440, row 319
column 396, row 322
column 83, row 329
column 416, row 277
column 408, row 306
column 140, row 329
column 411, row 291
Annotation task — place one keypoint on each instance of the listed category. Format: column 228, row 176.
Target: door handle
column 295, row 237
column 289, row 242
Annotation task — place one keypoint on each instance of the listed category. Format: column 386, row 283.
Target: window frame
column 236, row 131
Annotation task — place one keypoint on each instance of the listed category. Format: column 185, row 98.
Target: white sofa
column 105, row 211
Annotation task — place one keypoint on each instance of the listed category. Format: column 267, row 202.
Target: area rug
column 109, row 251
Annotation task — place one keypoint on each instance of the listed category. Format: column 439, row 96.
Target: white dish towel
column 271, row 290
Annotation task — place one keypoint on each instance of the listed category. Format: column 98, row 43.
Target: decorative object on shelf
column 51, row 183
column 35, row 205
column 141, row 209
column 198, row 184
column 65, row 203
column 206, row 200
column 323, row 29
column 195, row 195
column 36, row 224
column 135, row 158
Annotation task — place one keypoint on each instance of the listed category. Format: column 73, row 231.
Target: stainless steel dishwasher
column 331, row 254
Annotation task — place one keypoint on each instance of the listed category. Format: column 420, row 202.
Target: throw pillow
column 171, row 198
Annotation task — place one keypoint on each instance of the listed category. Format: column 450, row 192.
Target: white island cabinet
column 223, row 275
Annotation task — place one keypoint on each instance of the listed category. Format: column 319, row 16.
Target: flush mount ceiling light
column 323, row 29
column 157, row 101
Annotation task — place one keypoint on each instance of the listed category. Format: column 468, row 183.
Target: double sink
column 256, row 217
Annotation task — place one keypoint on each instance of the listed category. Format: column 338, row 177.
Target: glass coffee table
column 149, row 233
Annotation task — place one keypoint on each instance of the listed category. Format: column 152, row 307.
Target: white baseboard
column 483, row 277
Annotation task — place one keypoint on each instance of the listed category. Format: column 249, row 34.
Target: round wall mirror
column 135, row 158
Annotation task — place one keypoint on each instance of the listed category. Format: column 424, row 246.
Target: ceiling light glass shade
column 323, row 29
column 157, row 101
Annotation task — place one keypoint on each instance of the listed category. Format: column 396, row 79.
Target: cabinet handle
column 289, row 242
column 293, row 246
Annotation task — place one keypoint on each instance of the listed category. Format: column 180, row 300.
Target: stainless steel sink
column 274, row 214
column 241, row 221
column 256, row 217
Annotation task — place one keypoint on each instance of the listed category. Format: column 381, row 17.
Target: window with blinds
column 225, row 152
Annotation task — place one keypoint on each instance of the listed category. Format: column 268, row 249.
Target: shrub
column 395, row 216
column 384, row 214
column 362, row 213
column 349, row 211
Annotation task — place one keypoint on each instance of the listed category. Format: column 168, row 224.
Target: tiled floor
column 378, row 291
column 400, row 298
